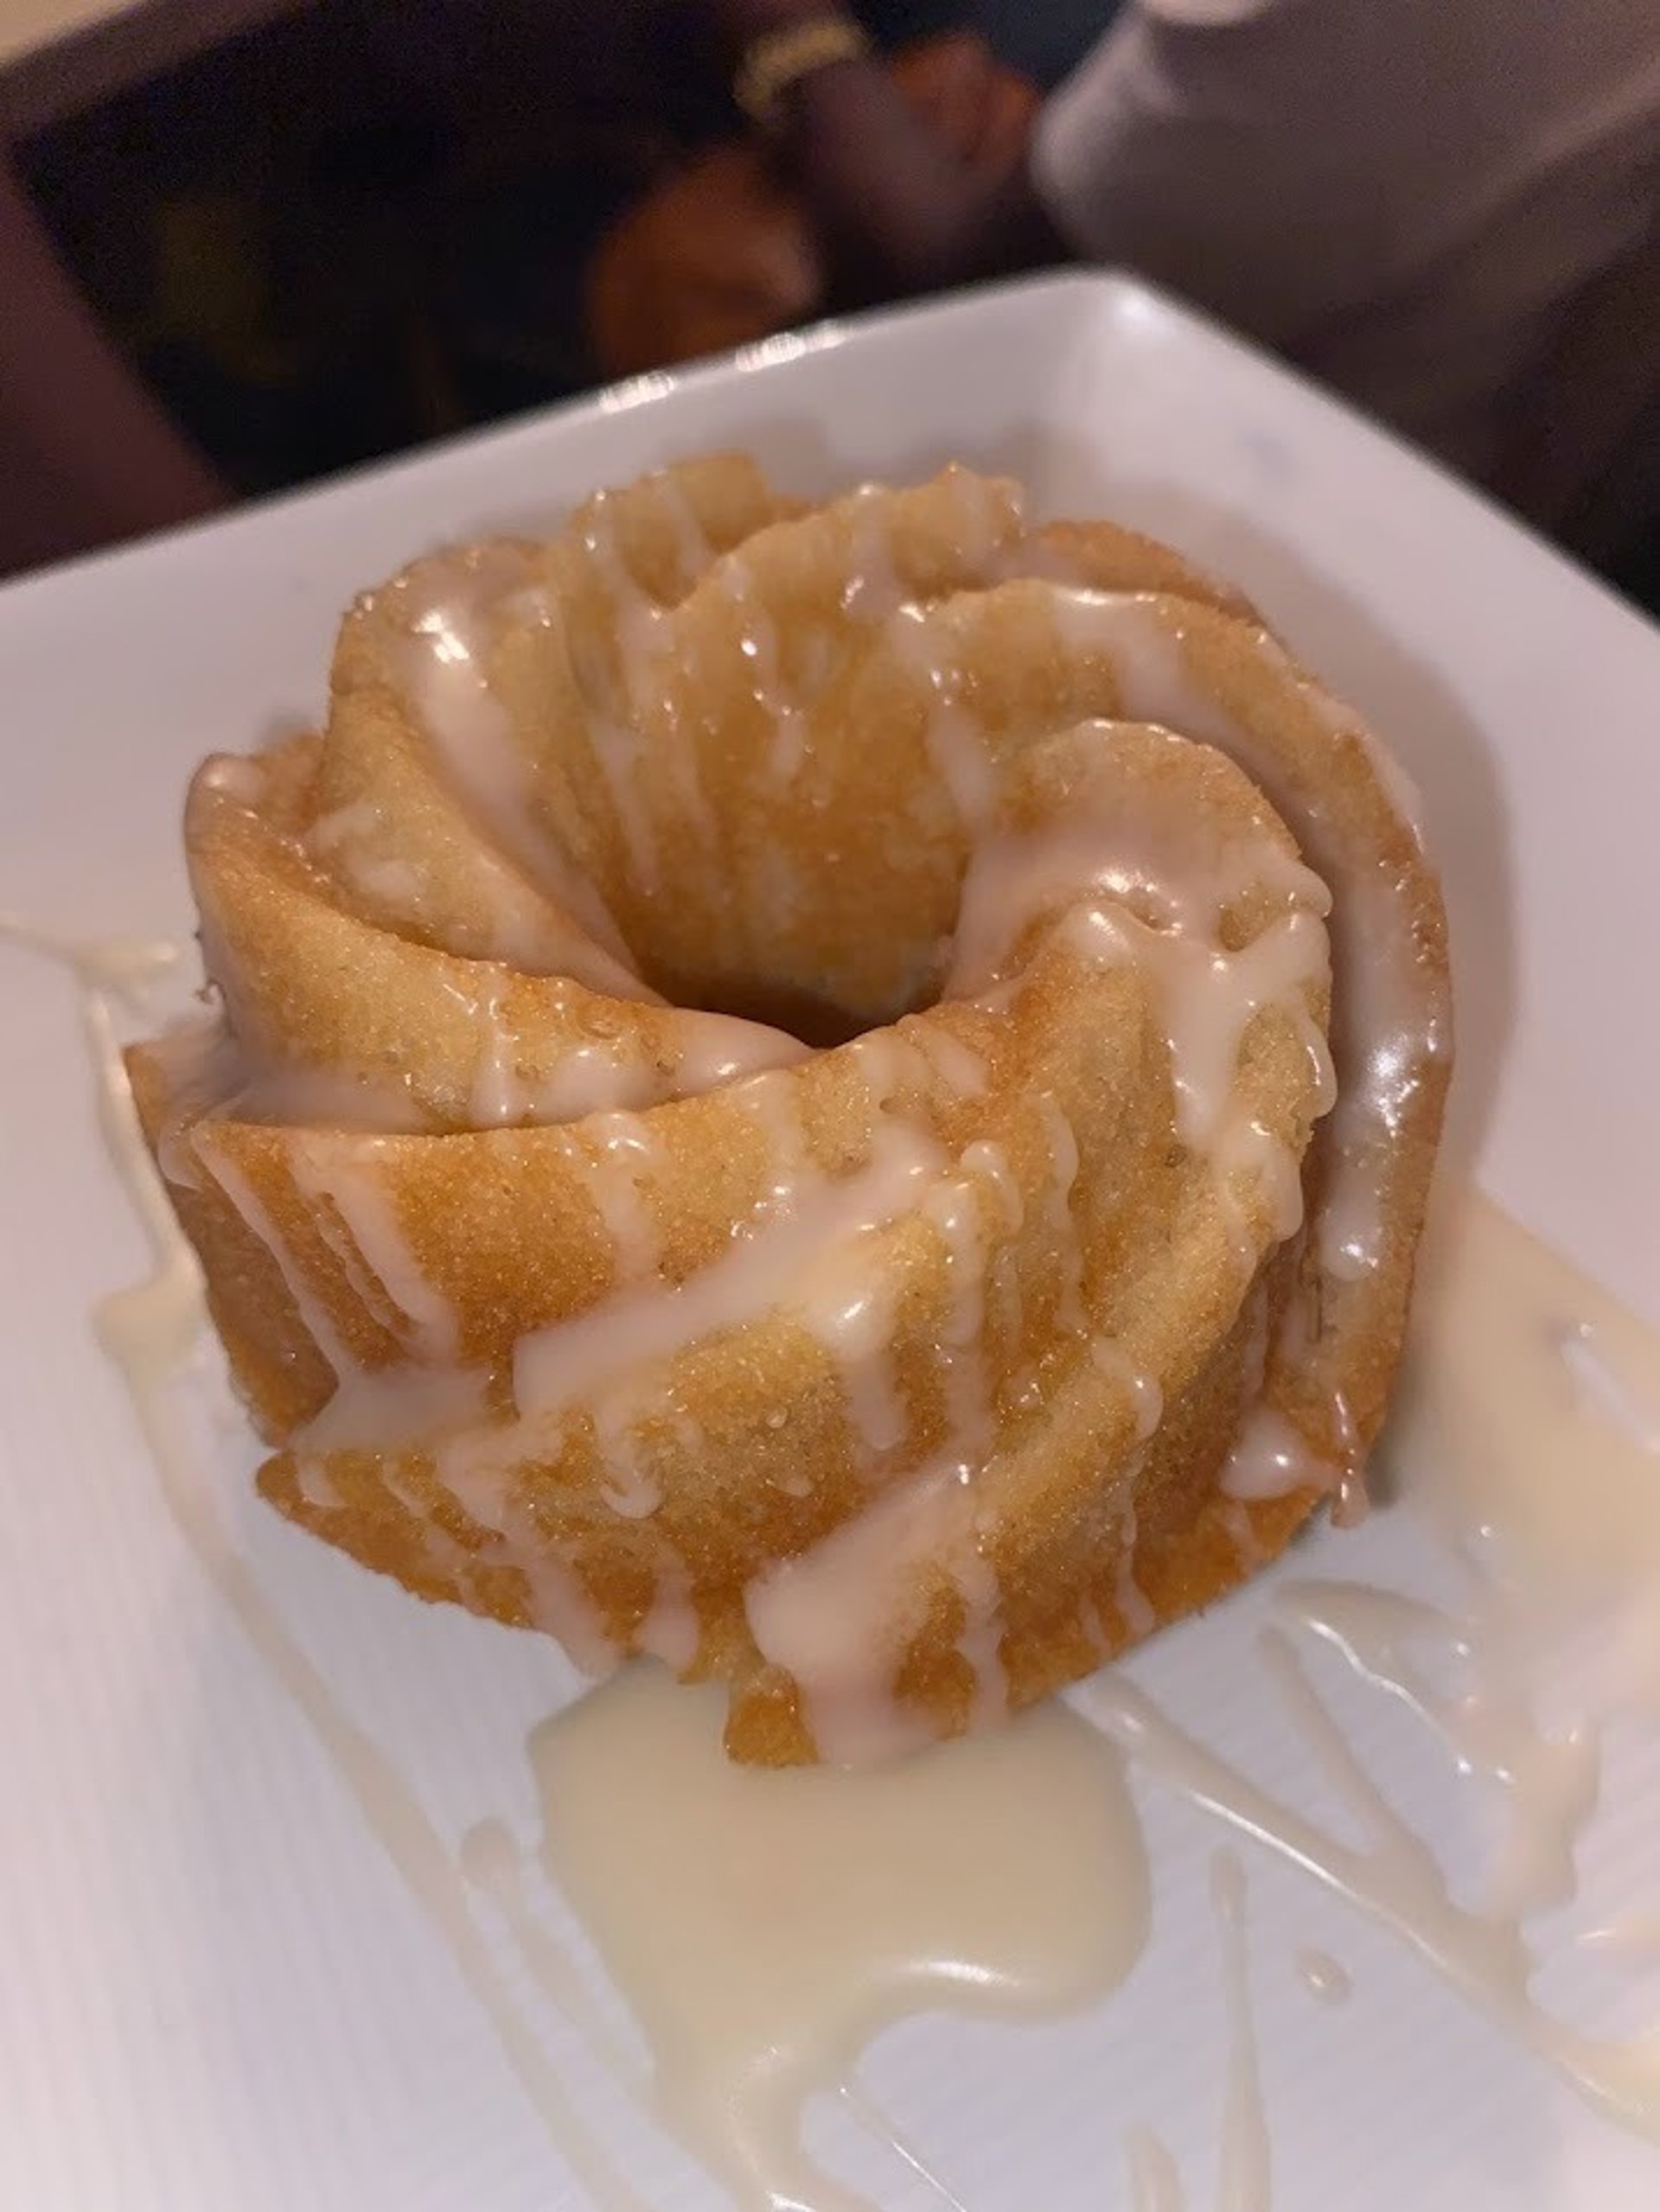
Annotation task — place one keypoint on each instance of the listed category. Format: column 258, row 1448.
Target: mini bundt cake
column 841, row 1096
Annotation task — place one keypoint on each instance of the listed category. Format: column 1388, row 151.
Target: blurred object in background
column 87, row 455
column 718, row 256
column 1582, row 454
column 1437, row 208
column 355, row 229
column 723, row 252
column 1040, row 40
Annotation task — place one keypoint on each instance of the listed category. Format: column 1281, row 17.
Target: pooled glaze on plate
column 1500, row 1311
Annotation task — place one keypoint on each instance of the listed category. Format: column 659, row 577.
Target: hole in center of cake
column 812, row 922
column 820, row 1020
column 817, row 1022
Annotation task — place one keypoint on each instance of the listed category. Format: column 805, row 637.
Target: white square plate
column 216, row 1989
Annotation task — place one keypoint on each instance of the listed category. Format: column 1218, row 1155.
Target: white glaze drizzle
column 873, row 590
column 1324, row 1977
column 616, row 1340
column 1270, row 1457
column 498, row 1098
column 211, row 1075
column 1146, row 1399
column 957, row 749
column 848, row 1304
column 1488, row 1723
column 557, row 1598
column 242, row 778
column 625, row 1156
column 1070, row 1315
column 1241, row 1532
column 962, row 1070
column 1245, row 2165
column 954, row 1210
column 877, row 2124
column 1135, row 1610
column 670, row 1630
column 1394, row 1878
column 384, row 1403
column 347, row 1181
column 1155, row 2178
column 1635, row 1936
column 980, row 1640
column 492, row 1864
column 614, row 1359
column 622, row 745
column 336, row 839
column 1209, row 999
column 315, row 1316
column 1497, row 1400
column 1122, row 885
column 692, row 549
column 201, row 1068
column 715, row 1049
column 317, row 1486
column 444, row 667
column 1244, row 2180
column 758, row 643
column 327, row 835
column 630, row 1488
column 838, row 1616
column 1388, row 1024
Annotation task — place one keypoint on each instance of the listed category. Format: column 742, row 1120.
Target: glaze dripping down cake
column 841, row 1095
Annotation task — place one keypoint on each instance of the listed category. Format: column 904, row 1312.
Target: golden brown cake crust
column 1000, row 1272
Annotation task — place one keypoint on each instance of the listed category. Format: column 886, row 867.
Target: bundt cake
column 843, row 1096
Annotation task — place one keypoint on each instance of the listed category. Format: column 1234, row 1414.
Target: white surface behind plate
column 214, row 1990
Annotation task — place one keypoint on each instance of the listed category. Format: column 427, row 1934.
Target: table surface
column 25, row 25
column 57, row 56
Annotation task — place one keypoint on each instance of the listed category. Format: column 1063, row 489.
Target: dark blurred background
column 368, row 223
